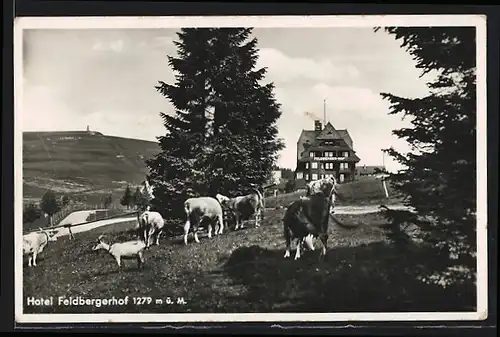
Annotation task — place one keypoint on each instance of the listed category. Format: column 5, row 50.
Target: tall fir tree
column 243, row 129
column 439, row 175
column 173, row 171
column 223, row 137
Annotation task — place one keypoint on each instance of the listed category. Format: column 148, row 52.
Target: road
column 338, row 210
column 366, row 209
column 86, row 227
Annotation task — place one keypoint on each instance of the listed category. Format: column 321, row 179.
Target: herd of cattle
column 304, row 220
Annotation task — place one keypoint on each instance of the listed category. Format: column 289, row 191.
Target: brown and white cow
column 243, row 207
column 35, row 242
column 308, row 218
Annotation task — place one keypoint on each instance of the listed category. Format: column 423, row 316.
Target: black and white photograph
column 250, row 168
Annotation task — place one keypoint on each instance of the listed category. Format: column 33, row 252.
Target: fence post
column 71, row 237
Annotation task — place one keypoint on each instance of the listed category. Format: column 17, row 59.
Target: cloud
column 283, row 68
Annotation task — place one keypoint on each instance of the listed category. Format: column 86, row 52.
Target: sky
column 106, row 78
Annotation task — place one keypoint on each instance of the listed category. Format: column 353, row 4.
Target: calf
column 128, row 249
column 308, row 218
column 35, row 242
column 243, row 207
column 150, row 224
column 201, row 209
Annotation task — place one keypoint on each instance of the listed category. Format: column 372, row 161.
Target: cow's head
column 222, row 199
column 51, row 234
column 100, row 244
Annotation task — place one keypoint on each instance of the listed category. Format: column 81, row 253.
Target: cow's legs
column 257, row 219
column 151, row 234
column 29, row 260
column 237, row 220
column 288, row 242
column 146, row 237
column 210, row 230
column 140, row 259
column 196, row 236
column 221, row 223
column 297, row 252
column 35, row 254
column 324, row 238
column 158, row 237
column 118, row 260
column 186, row 231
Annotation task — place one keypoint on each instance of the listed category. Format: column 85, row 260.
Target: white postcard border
column 478, row 21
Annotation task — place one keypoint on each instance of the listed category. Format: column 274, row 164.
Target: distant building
column 324, row 152
column 276, row 177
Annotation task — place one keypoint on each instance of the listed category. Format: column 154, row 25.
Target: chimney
column 317, row 125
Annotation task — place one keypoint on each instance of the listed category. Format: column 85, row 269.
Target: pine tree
column 439, row 178
column 243, row 132
column 31, row 212
column 222, row 137
column 173, row 171
column 126, row 199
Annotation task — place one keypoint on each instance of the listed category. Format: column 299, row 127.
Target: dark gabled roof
column 328, row 132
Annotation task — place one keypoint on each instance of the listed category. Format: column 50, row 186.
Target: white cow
column 150, row 224
column 202, row 209
column 35, row 242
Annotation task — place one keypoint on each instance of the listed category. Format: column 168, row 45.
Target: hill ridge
column 74, row 161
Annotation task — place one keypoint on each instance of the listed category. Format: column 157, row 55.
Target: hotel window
column 299, row 175
column 307, row 176
column 311, row 154
column 307, row 166
column 314, row 165
column 314, row 176
column 346, row 154
column 329, row 154
column 328, row 166
column 344, row 166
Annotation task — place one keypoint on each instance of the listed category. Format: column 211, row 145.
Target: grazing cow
column 243, row 207
column 307, row 218
column 128, row 249
column 323, row 186
column 150, row 224
column 202, row 209
column 35, row 242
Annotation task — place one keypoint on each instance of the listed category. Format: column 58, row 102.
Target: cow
column 150, row 224
column 308, row 218
column 35, row 242
column 244, row 207
column 202, row 209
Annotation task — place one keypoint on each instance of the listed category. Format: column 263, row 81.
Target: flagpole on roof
column 324, row 111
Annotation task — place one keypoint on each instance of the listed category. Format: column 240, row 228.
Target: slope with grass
column 244, row 271
column 79, row 162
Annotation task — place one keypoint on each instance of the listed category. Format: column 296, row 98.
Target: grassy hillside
column 81, row 162
column 244, row 271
